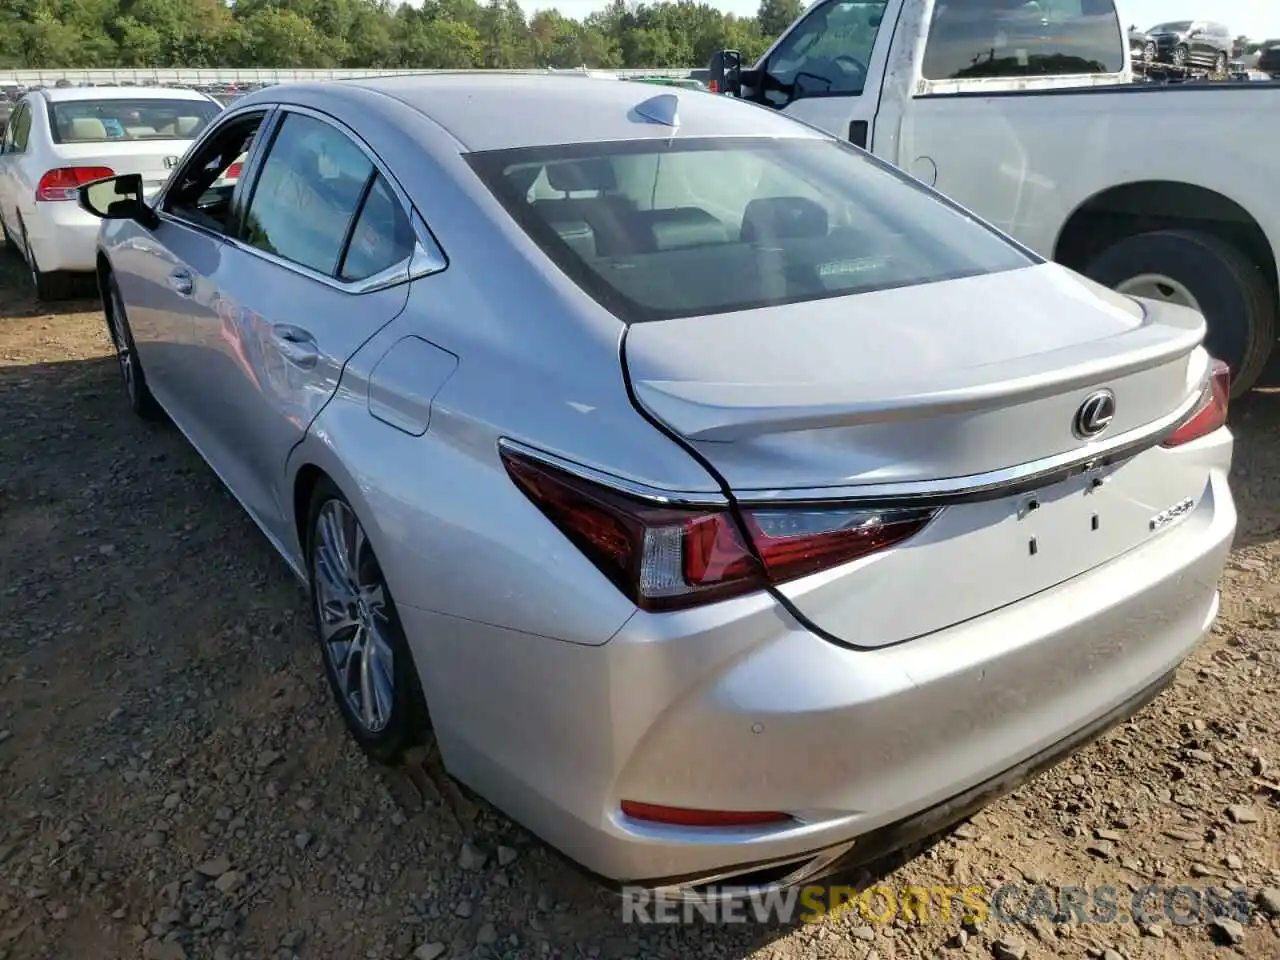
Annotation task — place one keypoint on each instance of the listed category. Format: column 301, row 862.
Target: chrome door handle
column 296, row 345
column 181, row 282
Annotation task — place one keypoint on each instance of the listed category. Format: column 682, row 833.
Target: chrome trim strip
column 675, row 498
column 967, row 489
column 992, row 485
column 809, row 866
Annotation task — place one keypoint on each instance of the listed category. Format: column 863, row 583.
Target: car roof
column 494, row 112
column 65, row 94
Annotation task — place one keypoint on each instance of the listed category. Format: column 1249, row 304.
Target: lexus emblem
column 170, row 162
column 1094, row 415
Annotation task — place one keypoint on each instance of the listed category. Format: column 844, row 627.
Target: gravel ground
column 174, row 781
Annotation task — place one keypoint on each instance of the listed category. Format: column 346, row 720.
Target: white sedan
column 58, row 140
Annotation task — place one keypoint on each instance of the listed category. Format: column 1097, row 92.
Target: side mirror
column 118, row 198
column 726, row 73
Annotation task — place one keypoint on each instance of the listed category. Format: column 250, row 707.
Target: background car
column 1269, row 58
column 60, row 138
column 1193, row 43
column 1142, row 49
column 619, row 431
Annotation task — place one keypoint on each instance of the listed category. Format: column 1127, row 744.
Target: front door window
column 827, row 54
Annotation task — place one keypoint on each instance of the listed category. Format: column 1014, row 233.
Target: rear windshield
column 660, row 229
column 971, row 39
column 98, row 121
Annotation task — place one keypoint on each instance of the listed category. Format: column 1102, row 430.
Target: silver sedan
column 729, row 505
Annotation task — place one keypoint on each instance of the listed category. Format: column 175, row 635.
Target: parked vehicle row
column 618, row 433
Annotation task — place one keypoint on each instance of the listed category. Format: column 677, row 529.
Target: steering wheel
column 851, row 64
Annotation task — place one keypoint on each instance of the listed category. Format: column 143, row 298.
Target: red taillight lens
column 63, row 183
column 665, row 558
column 1211, row 412
column 662, row 558
column 797, row 542
column 233, row 171
column 686, row 817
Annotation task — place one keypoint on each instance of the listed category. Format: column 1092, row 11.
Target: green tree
column 775, row 16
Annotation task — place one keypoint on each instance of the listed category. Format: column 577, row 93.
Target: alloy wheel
column 1155, row 286
column 353, row 617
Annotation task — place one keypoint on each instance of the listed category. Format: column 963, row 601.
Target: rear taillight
column 666, row 558
column 1210, row 412
column 64, row 183
column 233, row 171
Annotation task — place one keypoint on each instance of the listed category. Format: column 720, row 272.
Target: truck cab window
column 970, row 39
column 827, row 54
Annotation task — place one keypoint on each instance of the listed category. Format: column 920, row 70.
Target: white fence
column 183, row 75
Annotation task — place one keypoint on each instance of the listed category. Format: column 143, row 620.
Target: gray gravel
column 175, row 783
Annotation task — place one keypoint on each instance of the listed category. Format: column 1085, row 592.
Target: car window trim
column 427, row 256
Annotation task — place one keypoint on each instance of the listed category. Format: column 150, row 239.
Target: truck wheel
column 1200, row 271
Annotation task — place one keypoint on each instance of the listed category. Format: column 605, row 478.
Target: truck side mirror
column 725, row 71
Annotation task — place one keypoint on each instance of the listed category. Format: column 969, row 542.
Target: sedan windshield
column 660, row 229
column 99, row 121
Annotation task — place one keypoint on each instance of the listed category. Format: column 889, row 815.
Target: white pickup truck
column 1026, row 114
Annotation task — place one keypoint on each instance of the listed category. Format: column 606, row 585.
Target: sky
column 1258, row 19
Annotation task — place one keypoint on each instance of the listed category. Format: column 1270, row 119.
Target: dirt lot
column 175, row 783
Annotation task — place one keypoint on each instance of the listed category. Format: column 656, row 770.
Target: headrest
column 187, row 124
column 677, row 227
column 88, row 128
column 578, row 236
column 782, row 218
column 592, row 174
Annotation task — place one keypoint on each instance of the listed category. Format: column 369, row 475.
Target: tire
column 47, row 287
column 403, row 721
column 10, row 244
column 141, row 401
column 1236, row 299
column 1181, row 56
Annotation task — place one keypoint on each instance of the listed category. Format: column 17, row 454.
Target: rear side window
column 660, row 229
column 973, row 39
column 100, row 121
column 304, row 202
column 382, row 236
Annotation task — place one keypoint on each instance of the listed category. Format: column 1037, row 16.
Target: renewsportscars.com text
column 1011, row 903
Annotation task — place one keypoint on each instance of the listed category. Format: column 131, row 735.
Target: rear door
column 11, row 173
column 318, row 267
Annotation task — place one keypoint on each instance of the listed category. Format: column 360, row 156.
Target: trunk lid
column 153, row 159
column 923, row 389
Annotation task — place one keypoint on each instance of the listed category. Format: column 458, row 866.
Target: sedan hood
column 921, row 383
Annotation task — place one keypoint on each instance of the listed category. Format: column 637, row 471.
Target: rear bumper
column 64, row 237
column 735, row 706
column 919, row 826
